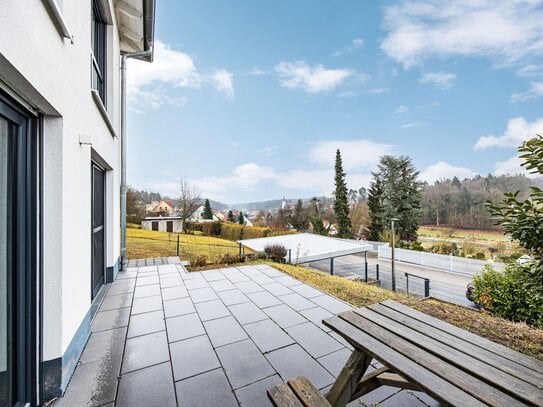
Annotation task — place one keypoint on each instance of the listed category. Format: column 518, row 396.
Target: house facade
column 162, row 208
column 171, row 224
column 60, row 179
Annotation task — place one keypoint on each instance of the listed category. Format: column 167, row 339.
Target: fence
column 439, row 261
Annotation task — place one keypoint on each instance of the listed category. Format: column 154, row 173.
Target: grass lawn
column 141, row 244
column 471, row 234
column 517, row 336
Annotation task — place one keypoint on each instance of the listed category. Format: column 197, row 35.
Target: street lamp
column 393, row 242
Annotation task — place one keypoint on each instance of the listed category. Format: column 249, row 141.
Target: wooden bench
column 419, row 352
column 297, row 392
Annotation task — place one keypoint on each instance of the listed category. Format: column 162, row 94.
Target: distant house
column 163, row 207
column 171, row 224
column 197, row 216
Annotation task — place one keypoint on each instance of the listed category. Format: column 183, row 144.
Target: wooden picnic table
column 419, row 352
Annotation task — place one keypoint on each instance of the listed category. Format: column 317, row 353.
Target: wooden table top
column 454, row 366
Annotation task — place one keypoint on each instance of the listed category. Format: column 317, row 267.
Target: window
column 98, row 51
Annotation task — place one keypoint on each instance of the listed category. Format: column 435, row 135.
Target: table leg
column 347, row 381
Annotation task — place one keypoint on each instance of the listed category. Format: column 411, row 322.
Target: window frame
column 99, row 51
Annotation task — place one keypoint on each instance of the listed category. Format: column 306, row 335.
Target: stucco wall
column 49, row 72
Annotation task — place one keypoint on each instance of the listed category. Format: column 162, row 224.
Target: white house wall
column 57, row 77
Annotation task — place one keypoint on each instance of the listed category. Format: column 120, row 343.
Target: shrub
column 254, row 232
column 232, row 231
column 192, row 226
column 211, row 228
column 276, row 252
column 200, row 260
column 445, row 248
column 480, row 256
column 510, row 294
column 260, row 256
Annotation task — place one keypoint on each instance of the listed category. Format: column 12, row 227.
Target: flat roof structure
column 307, row 247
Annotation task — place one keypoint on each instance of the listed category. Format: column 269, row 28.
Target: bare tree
column 188, row 199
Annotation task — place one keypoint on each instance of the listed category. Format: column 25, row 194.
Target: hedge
column 235, row 231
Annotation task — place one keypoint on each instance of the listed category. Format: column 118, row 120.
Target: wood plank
column 395, row 380
column 491, row 358
column 347, row 380
column 475, row 368
column 534, row 364
column 428, row 381
column 368, row 383
column 307, row 393
column 283, row 396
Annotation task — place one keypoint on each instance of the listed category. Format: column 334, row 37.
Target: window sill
column 103, row 112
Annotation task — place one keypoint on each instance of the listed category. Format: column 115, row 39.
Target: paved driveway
column 166, row 337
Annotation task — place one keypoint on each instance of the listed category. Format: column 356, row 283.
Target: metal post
column 331, row 266
column 366, row 271
column 240, row 249
column 407, row 282
column 377, row 271
column 426, row 287
column 393, row 271
column 178, row 245
column 289, row 256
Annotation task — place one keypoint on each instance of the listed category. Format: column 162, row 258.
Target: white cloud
column 356, row 43
column 299, row 75
column 402, row 109
column 148, row 84
column 378, row 91
column 508, row 31
column 511, row 167
column 354, row 153
column 535, row 91
column 410, row 125
column 442, row 170
column 256, row 71
column 531, row 70
column 443, row 80
column 517, row 131
column 223, row 81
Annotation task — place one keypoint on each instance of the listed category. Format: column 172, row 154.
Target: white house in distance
column 171, row 224
column 60, row 174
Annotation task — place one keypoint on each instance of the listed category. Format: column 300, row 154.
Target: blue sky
column 249, row 100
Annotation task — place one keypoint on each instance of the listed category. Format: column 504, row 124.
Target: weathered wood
column 395, row 380
column 307, row 393
column 368, row 383
column 497, row 361
column 283, row 396
column 474, row 367
column 535, row 365
column 432, row 374
column 347, row 381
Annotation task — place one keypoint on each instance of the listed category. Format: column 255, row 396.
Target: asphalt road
column 444, row 285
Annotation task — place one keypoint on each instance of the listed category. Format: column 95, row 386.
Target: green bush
column 276, row 252
column 480, row 256
column 511, row 293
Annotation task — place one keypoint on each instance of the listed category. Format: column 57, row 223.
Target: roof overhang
column 136, row 24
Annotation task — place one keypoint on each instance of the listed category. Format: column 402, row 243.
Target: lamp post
column 393, row 243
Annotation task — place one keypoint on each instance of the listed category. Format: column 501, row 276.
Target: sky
column 249, row 100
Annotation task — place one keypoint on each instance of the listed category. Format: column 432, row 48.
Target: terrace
column 164, row 336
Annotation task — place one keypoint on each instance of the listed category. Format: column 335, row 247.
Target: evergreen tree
column 207, row 213
column 315, row 217
column 341, row 204
column 241, row 219
column 395, row 192
column 298, row 217
column 230, row 216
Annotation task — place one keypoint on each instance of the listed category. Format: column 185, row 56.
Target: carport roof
column 307, row 247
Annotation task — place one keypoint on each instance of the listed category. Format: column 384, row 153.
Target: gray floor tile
column 254, row 395
column 306, row 291
column 171, row 282
column 315, row 341
column 338, row 338
column 377, row 396
column 192, row 356
column 116, row 301
column 426, row 399
column 296, row 301
column 243, row 363
column 104, row 345
column 248, row 287
column 403, row 398
column 331, row 304
column 110, row 319
column 232, row 297
column 146, row 304
column 271, row 272
column 92, row 384
column 183, row 327
column 211, row 310
column 192, row 275
column 206, row 389
column 179, row 306
column 152, row 386
column 316, row 315
column 222, row 285
column 143, row 324
column 213, row 275
column 144, row 351
column 146, row 280
column 145, row 269
column 267, row 335
column 196, row 283
column 203, row 294
column 284, row 316
column 277, row 289
column 223, row 331
column 147, row 290
column 172, row 293
column 293, row 361
column 334, row 362
column 287, row 281
column 122, row 287
column 237, row 277
column 247, row 312
column 261, row 278
column 263, row 299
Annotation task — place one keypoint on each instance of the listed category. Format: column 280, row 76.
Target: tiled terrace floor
column 165, row 337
